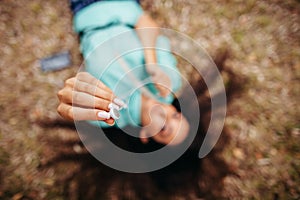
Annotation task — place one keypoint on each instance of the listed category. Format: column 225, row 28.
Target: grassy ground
column 262, row 39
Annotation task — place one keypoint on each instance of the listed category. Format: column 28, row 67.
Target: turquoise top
column 102, row 47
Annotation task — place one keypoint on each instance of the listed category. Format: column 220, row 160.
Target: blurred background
column 256, row 44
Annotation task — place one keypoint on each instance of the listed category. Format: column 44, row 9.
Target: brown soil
column 256, row 45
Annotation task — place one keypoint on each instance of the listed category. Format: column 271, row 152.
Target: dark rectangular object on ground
column 56, row 61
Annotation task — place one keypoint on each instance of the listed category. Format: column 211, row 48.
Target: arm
column 148, row 31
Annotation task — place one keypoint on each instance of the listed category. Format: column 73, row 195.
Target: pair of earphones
column 114, row 109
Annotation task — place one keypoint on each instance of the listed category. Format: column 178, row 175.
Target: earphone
column 114, row 113
column 114, row 109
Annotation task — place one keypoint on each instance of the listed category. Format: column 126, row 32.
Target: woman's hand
column 85, row 98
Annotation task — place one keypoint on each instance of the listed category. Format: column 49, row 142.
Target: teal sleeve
column 104, row 12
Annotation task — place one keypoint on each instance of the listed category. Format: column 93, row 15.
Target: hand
column 160, row 79
column 153, row 122
column 84, row 98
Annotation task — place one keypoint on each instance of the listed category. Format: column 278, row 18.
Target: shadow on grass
column 188, row 177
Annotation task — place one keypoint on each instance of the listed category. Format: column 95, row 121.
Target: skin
column 84, row 96
column 162, row 122
column 148, row 31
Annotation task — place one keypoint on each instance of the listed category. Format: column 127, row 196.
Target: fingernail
column 112, row 105
column 103, row 114
column 120, row 102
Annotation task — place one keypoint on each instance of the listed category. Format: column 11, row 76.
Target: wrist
column 150, row 56
column 152, row 68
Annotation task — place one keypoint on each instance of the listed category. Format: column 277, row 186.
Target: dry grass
column 263, row 38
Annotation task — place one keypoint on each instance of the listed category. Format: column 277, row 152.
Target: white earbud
column 114, row 113
column 114, row 108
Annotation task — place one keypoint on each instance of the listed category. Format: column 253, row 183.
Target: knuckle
column 60, row 94
column 82, row 75
column 111, row 97
column 70, row 113
column 68, row 82
column 58, row 109
column 98, row 103
column 86, row 88
column 97, row 83
column 79, row 75
column 99, row 92
column 101, row 104
column 76, row 97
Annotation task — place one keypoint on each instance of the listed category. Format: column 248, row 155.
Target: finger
column 69, row 96
column 93, row 90
column 110, row 121
column 65, row 111
column 65, row 94
column 119, row 102
column 79, row 114
column 70, row 82
column 86, row 100
column 86, row 77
